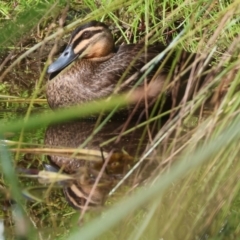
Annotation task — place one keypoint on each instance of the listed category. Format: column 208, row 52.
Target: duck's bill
column 63, row 61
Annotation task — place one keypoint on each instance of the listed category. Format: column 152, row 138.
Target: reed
column 193, row 191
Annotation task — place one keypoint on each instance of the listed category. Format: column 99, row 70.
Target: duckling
column 92, row 67
column 79, row 190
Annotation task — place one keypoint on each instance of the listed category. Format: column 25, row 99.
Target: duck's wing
column 126, row 66
column 126, row 63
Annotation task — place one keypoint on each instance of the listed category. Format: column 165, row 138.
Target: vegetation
column 193, row 191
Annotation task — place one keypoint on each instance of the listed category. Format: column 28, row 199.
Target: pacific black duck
column 92, row 67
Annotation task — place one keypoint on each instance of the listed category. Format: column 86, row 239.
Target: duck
column 92, row 67
column 85, row 169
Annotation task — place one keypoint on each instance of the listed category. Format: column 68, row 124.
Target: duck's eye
column 86, row 35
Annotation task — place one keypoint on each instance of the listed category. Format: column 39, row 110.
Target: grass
column 193, row 191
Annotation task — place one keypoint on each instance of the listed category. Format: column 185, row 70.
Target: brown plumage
column 84, row 169
column 79, row 190
column 91, row 67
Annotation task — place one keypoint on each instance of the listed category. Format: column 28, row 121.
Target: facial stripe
column 78, row 191
column 75, row 201
column 79, row 48
column 80, row 45
column 79, row 36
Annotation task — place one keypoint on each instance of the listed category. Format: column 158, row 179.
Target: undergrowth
column 190, row 188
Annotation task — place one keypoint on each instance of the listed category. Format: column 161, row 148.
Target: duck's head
column 92, row 40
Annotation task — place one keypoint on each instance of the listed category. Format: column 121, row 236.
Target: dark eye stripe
column 73, row 200
column 81, row 37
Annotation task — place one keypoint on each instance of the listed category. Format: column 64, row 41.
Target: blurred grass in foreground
column 195, row 193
